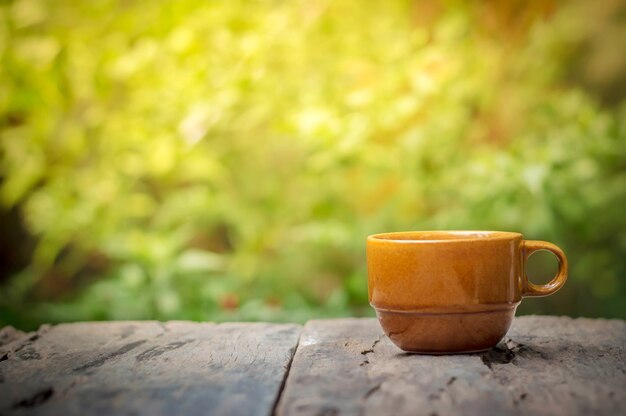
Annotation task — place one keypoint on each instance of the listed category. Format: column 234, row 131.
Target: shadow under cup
column 440, row 292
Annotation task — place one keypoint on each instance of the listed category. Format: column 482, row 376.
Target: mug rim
column 442, row 236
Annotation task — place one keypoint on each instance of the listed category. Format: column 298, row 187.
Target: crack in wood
column 521, row 398
column 371, row 349
column 160, row 349
column 101, row 360
column 281, row 388
column 30, row 340
column 28, row 353
column 36, row 400
column 508, row 352
column 500, row 355
column 371, row 391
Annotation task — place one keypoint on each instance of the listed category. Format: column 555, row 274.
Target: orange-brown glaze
column 451, row 291
column 446, row 333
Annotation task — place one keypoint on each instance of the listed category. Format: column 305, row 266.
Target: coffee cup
column 441, row 292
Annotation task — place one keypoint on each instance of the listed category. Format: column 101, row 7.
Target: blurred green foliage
column 225, row 160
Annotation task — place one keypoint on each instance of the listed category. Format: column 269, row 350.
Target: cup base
column 455, row 332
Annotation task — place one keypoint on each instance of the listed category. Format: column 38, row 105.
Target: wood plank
column 145, row 368
column 546, row 366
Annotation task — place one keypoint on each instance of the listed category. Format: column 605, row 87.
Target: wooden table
column 545, row 366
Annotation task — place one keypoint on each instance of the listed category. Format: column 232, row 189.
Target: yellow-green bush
column 226, row 159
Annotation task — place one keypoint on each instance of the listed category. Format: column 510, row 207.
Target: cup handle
column 531, row 289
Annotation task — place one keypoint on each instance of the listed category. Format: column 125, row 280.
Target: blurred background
column 225, row 160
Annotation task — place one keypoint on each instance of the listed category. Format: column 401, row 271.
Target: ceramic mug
column 441, row 292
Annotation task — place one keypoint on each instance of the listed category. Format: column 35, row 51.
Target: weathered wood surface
column 147, row 368
column 546, row 366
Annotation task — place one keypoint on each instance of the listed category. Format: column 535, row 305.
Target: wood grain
column 146, row 368
column 546, row 366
